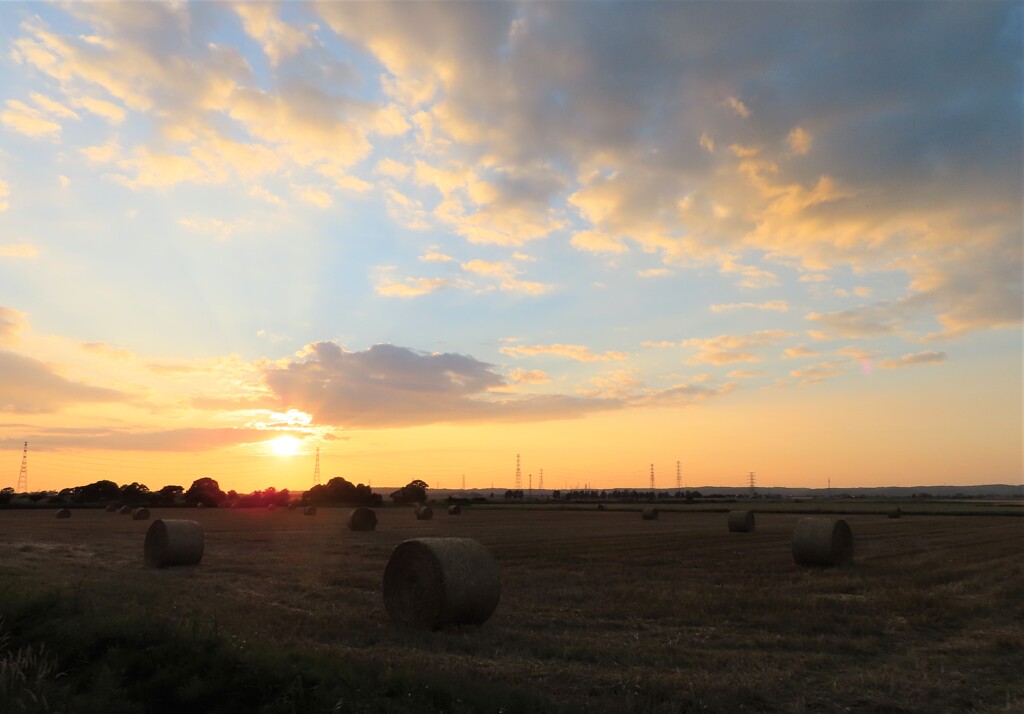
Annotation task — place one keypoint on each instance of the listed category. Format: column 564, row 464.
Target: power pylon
column 679, row 477
column 519, row 476
column 316, row 471
column 753, row 481
column 652, row 477
column 540, row 486
column 23, row 474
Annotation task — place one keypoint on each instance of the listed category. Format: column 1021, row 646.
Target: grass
column 600, row 612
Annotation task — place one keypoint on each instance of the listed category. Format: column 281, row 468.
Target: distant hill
column 996, row 490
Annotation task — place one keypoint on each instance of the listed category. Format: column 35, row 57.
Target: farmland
column 599, row 611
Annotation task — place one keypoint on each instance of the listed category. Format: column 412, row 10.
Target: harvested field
column 599, row 611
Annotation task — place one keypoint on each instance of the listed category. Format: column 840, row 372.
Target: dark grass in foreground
column 599, row 612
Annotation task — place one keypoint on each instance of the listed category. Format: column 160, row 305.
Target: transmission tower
column 753, row 481
column 530, row 492
column 519, row 476
column 652, row 477
column 316, row 471
column 23, row 474
column 540, row 486
column 463, row 482
column 679, row 476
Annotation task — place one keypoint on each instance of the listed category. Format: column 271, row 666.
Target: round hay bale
column 309, row 511
column 140, row 514
column 200, row 505
column 173, row 542
column 433, row 582
column 424, row 513
column 895, row 513
column 63, row 513
column 111, row 508
column 455, row 510
column 741, row 521
column 602, row 507
column 293, row 506
column 125, row 510
column 650, row 514
column 822, row 541
column 272, row 507
column 362, row 519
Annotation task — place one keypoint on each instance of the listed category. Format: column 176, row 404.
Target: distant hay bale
column 895, row 513
column 433, row 582
column 309, row 511
column 293, row 506
column 111, row 508
column 741, row 521
column 650, row 514
column 362, row 519
column 272, row 507
column 125, row 510
column 822, row 541
column 602, row 507
column 140, row 514
column 63, row 513
column 200, row 505
column 424, row 513
column 173, row 542
column 455, row 510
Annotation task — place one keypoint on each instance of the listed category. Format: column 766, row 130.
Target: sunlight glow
column 285, row 445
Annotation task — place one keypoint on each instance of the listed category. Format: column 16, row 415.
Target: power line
column 23, row 474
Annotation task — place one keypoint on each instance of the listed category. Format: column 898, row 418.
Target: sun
column 285, row 445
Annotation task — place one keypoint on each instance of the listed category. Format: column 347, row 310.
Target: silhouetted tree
column 133, row 493
column 167, row 496
column 339, row 490
column 206, row 491
column 412, row 492
column 98, row 491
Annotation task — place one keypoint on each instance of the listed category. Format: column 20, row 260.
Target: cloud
column 214, row 227
column 173, row 440
column 388, row 386
column 313, row 196
column 18, row 250
column 33, row 387
column 726, row 349
column 12, row 323
column 799, row 141
column 654, row 273
column 913, row 359
column 737, row 106
column 681, row 394
column 579, row 353
column 5, row 191
column 433, row 256
column 745, row 373
column 100, row 107
column 798, row 352
column 410, row 287
column 819, row 372
column 278, row 39
column 264, row 195
column 102, row 348
column 876, row 320
column 776, row 305
column 528, row 376
column 658, row 344
column 23, row 119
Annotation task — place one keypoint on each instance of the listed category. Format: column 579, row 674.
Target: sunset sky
column 773, row 237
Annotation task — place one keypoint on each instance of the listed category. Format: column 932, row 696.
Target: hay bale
column 63, row 513
column 309, row 511
column 895, row 513
column 602, row 507
column 173, row 542
column 272, row 507
column 293, row 506
column 822, row 541
column 111, row 508
column 650, row 514
column 362, row 519
column 433, row 582
column 741, row 521
column 140, row 514
column 455, row 510
column 424, row 513
column 125, row 510
column 200, row 505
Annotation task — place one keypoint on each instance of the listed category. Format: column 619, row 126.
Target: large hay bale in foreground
column 895, row 513
column 362, row 519
column 455, row 510
column 140, row 514
column 433, row 582
column 125, row 510
column 424, row 513
column 822, row 541
column 111, row 508
column 309, row 511
column 173, row 542
column 650, row 514
column 63, row 513
column 741, row 521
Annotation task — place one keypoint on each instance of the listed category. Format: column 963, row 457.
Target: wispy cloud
column 579, row 353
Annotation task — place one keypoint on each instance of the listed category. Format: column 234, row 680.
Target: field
column 600, row 610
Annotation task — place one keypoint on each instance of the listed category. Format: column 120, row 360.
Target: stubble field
column 599, row 611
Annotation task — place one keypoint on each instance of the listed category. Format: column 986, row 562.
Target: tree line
column 207, row 492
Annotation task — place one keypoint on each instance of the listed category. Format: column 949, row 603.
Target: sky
column 424, row 238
